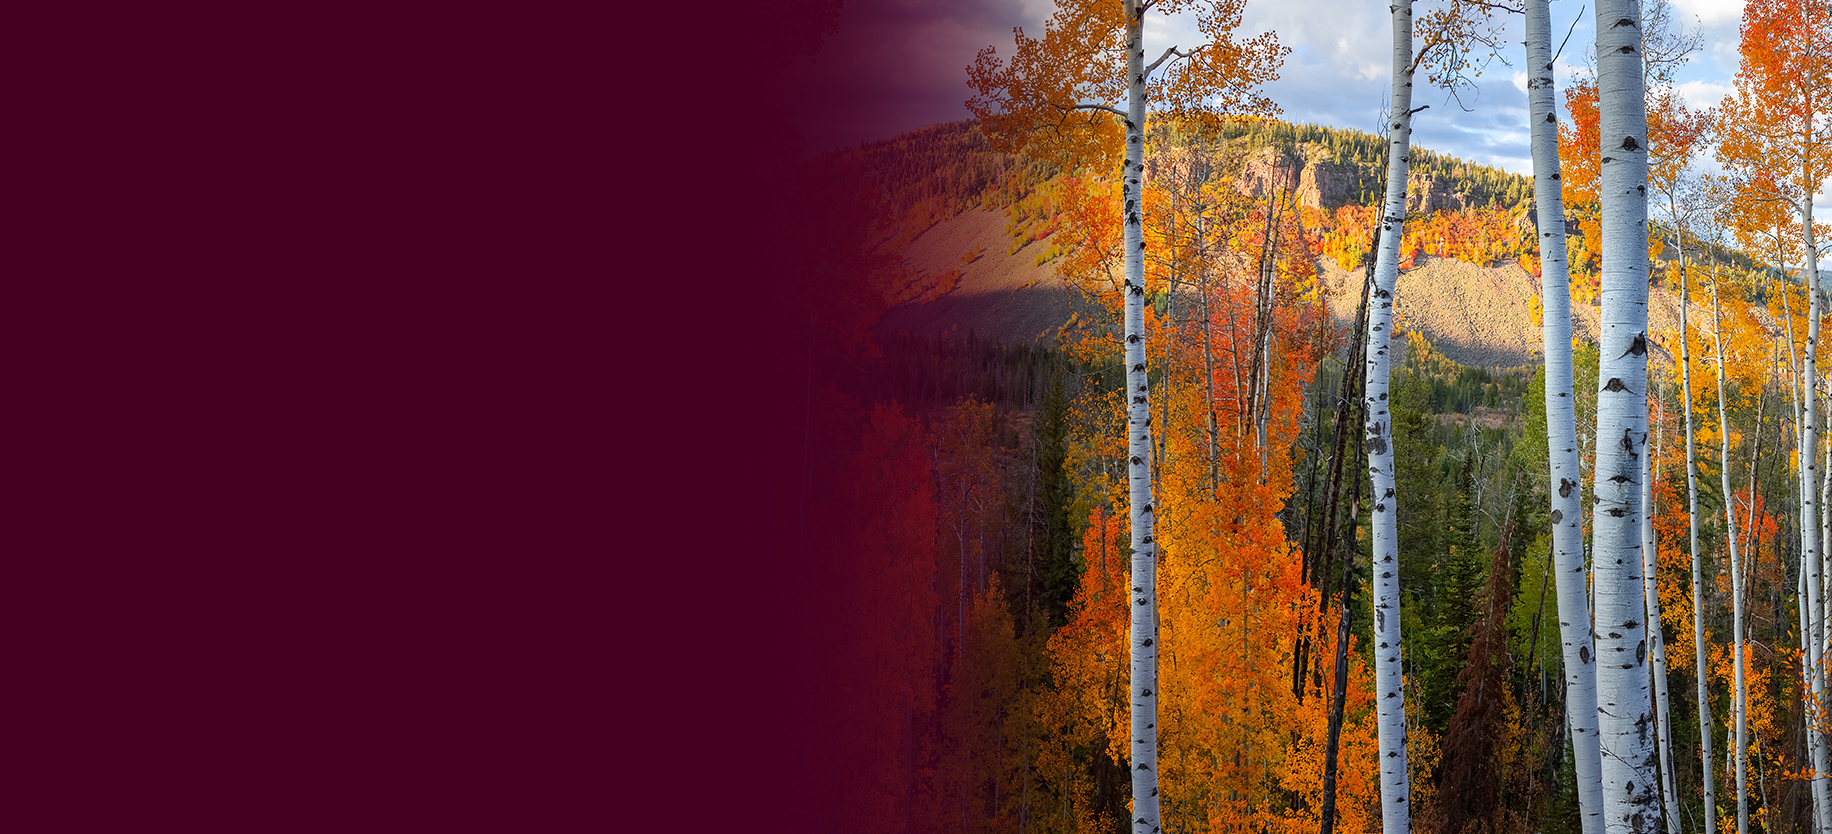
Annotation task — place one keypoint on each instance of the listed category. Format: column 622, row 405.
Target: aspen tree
column 1624, row 709
column 1657, row 643
column 1739, row 702
column 1561, row 424
column 1066, row 95
column 1777, row 144
column 1389, row 692
column 1446, row 36
column 1698, row 600
column 1678, row 132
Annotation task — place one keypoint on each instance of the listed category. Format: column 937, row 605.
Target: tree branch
column 1149, row 68
column 1109, row 108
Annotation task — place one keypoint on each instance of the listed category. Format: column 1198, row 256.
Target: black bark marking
column 1615, row 385
column 1583, row 654
column 1133, row 339
column 1144, row 692
column 1557, row 516
column 1551, row 119
column 1628, row 439
column 1136, row 461
column 1641, row 652
column 1147, row 642
column 1638, row 347
column 1564, row 487
column 1629, row 144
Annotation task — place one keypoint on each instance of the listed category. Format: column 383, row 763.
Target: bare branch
column 1574, row 28
column 1108, row 108
column 1167, row 53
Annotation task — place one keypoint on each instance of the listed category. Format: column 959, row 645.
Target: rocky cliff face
column 1327, row 185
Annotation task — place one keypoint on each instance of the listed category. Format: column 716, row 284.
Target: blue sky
column 896, row 65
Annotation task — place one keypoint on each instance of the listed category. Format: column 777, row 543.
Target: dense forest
column 980, row 524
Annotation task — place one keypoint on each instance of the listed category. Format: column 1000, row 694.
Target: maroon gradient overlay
column 413, row 420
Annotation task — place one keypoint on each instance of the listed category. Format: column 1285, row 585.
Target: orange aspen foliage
column 1238, row 749
column 1087, row 710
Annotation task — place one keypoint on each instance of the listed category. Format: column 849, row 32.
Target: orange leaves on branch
column 1059, row 96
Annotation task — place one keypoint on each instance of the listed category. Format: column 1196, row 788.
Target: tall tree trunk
column 1561, row 426
column 1142, row 634
column 1810, row 521
column 1389, row 692
column 1739, row 702
column 1656, row 641
column 1705, row 726
column 1624, row 706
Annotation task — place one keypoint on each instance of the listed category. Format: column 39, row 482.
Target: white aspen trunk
column 1705, row 726
column 1810, row 524
column 1738, row 701
column 1142, row 637
column 1389, row 690
column 1657, row 643
column 1561, row 425
column 1624, row 707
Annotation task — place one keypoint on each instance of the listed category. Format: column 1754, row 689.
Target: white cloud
column 1700, row 95
column 1711, row 11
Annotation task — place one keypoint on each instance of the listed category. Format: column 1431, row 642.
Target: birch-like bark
column 1705, row 726
column 1809, row 522
column 1738, row 701
column 1624, row 708
column 1389, row 691
column 1142, row 636
column 1657, row 642
column 1561, row 425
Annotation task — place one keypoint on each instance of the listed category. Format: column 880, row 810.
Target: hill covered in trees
column 976, row 480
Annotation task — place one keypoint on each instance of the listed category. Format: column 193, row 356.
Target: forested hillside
column 974, row 506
